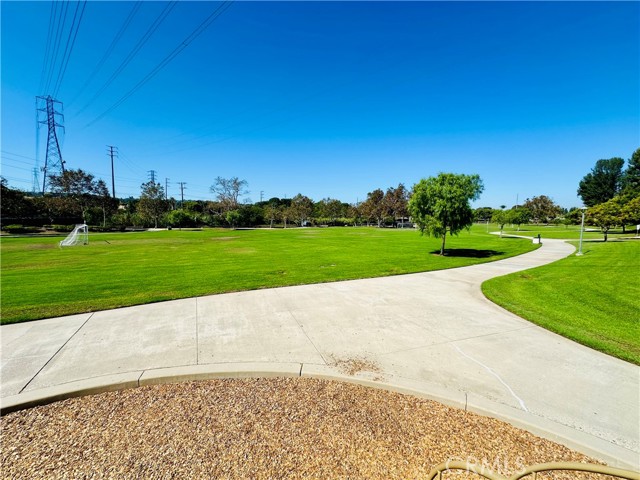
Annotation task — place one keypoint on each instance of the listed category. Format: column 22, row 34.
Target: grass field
column 41, row 280
column 593, row 299
column 568, row 232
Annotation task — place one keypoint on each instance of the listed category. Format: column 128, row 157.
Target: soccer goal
column 79, row 236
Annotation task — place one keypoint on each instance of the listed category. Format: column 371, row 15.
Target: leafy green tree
column 631, row 176
column 605, row 215
column 14, row 204
column 440, row 204
column 372, row 207
column 602, row 183
column 271, row 213
column 501, row 217
column 104, row 201
column 81, row 190
column 330, row 209
column 180, row 218
column 630, row 211
column 152, row 204
column 519, row 215
column 233, row 217
column 395, row 202
column 482, row 214
column 542, row 209
column 301, row 208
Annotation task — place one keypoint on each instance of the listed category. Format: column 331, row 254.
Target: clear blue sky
column 333, row 99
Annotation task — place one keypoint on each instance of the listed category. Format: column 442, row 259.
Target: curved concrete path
column 431, row 333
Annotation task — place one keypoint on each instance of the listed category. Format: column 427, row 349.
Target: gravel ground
column 260, row 428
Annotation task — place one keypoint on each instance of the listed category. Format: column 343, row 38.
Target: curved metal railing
column 437, row 471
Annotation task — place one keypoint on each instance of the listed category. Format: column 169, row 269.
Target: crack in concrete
column 492, row 372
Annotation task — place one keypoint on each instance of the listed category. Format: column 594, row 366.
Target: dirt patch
column 352, row 366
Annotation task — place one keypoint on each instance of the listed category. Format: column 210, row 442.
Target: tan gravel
column 259, row 428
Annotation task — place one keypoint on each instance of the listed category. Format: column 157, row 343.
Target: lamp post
column 581, row 231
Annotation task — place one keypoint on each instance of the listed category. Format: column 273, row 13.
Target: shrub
column 15, row 229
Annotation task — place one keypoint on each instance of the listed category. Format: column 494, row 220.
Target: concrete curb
column 601, row 449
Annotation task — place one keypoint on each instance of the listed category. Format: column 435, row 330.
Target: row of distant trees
column 76, row 196
column 611, row 192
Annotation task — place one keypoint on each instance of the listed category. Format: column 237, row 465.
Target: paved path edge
column 613, row 455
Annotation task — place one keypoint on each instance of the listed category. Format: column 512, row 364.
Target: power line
column 69, row 48
column 184, row 44
column 109, row 50
column 45, row 60
column 147, row 35
column 53, row 56
column 16, row 155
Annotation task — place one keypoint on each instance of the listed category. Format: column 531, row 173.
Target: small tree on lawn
column 501, row 217
column 440, row 204
column 605, row 215
column 630, row 212
column 519, row 216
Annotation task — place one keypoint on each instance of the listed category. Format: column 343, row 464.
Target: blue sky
column 333, row 99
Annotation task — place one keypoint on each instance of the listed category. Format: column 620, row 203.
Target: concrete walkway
column 430, row 333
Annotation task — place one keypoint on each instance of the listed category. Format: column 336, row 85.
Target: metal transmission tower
column 53, row 161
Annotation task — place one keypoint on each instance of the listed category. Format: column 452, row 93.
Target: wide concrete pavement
column 432, row 333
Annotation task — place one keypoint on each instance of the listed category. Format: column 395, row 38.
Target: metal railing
column 483, row 471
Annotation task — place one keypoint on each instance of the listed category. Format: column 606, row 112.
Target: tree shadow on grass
column 468, row 253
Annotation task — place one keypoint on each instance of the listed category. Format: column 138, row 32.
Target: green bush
column 15, row 229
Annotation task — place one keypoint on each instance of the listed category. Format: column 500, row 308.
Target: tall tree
column 104, row 200
column 331, row 209
column 301, row 208
column 542, row 209
column 271, row 213
column 77, row 187
column 228, row 191
column 372, row 207
column 602, row 183
column 440, row 204
column 396, row 202
column 631, row 176
column 152, row 202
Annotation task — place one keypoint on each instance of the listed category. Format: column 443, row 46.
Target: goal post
column 79, row 236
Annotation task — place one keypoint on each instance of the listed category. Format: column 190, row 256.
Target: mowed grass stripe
column 40, row 280
column 592, row 299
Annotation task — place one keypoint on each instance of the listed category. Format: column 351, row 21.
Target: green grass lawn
column 41, row 280
column 593, row 299
column 562, row 231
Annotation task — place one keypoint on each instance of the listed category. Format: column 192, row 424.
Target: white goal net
column 79, row 236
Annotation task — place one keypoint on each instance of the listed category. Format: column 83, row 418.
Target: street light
column 581, row 231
